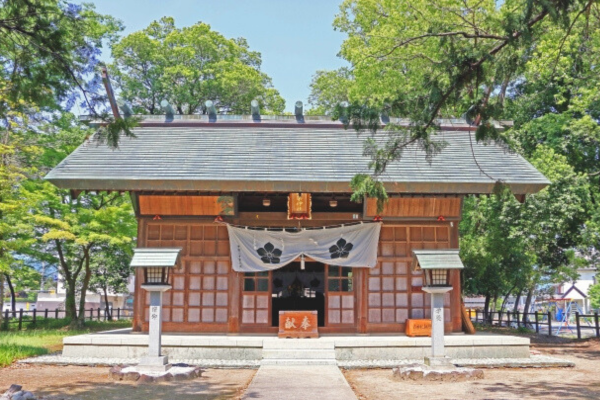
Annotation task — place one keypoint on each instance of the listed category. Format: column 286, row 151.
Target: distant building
column 55, row 299
column 577, row 290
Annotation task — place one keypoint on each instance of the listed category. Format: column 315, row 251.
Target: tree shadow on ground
column 588, row 349
column 214, row 384
column 198, row 389
column 542, row 390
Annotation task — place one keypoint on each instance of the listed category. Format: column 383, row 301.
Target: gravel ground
column 92, row 383
column 579, row 382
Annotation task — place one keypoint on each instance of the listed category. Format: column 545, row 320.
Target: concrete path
column 299, row 382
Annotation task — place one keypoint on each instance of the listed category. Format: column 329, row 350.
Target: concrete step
column 297, row 344
column 299, row 361
column 290, row 354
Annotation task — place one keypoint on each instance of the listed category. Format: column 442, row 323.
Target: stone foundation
column 253, row 349
column 422, row 372
column 175, row 373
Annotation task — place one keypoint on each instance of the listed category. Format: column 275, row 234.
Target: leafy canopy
column 189, row 66
column 424, row 60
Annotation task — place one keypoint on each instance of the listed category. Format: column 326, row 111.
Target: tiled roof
column 155, row 257
column 436, row 259
column 230, row 159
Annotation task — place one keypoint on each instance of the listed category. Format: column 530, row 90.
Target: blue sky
column 295, row 38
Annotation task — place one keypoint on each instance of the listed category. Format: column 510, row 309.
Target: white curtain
column 262, row 250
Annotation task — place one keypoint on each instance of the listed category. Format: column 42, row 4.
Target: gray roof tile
column 271, row 159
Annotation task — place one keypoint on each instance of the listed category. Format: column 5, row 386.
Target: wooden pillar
column 361, row 300
column 456, row 293
column 139, row 294
column 233, row 301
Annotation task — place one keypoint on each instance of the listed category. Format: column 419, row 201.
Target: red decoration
column 219, row 219
column 441, row 218
column 299, row 216
column 378, row 218
column 156, row 217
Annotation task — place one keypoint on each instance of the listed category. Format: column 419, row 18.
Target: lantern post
column 436, row 266
column 156, row 264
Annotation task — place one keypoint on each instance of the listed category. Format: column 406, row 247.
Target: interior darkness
column 299, row 290
column 320, row 203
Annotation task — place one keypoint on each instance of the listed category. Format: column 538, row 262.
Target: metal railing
column 541, row 322
column 35, row 316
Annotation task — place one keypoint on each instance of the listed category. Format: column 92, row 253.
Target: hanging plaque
column 299, row 206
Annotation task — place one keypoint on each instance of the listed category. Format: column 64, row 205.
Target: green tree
column 70, row 231
column 188, row 66
column 21, row 279
column 515, row 249
column 328, row 89
column 427, row 60
column 594, row 295
column 111, row 272
column 49, row 50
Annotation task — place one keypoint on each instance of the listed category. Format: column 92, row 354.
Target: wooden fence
column 34, row 316
column 538, row 321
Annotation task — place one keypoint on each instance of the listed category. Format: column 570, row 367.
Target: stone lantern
column 436, row 266
column 156, row 264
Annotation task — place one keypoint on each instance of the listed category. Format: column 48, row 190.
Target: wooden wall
column 207, row 295
column 415, row 207
column 392, row 291
column 186, row 205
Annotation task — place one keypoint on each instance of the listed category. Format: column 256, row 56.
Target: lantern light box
column 436, row 265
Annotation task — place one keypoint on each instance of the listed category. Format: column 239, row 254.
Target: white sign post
column 438, row 354
column 154, row 361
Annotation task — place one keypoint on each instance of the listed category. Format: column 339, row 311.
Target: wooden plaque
column 298, row 324
column 418, row 327
column 299, row 206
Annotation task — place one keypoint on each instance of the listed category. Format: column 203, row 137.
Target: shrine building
column 261, row 210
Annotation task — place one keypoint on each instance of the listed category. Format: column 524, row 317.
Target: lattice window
column 394, row 291
column 256, row 281
column 256, row 297
column 340, row 296
column 255, row 308
column 388, row 300
column 199, row 292
column 340, row 279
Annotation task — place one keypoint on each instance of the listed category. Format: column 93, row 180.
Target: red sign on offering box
column 298, row 324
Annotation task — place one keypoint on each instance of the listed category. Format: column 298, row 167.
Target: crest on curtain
column 262, row 250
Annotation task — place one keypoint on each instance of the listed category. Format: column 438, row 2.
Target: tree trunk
column 107, row 312
column 70, row 283
column 486, row 306
column 13, row 297
column 70, row 301
column 517, row 300
column 493, row 308
column 506, row 297
column 80, row 322
column 527, row 305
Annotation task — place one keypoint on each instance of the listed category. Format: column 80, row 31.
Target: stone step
column 293, row 344
column 299, row 361
column 291, row 354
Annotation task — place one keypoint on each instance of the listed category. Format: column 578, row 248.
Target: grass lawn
column 44, row 337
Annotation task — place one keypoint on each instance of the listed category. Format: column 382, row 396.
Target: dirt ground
column 89, row 383
column 580, row 382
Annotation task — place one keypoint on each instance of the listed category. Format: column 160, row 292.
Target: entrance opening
column 295, row 289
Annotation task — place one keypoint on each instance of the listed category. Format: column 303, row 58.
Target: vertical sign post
column 436, row 266
column 155, row 264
